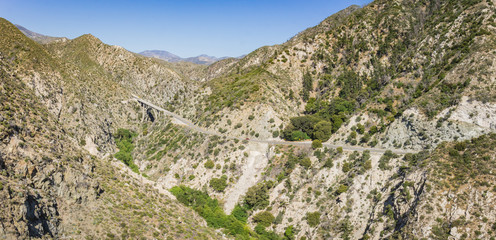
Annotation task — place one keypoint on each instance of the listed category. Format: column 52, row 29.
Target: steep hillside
column 86, row 84
column 390, row 75
column 49, row 188
column 56, row 109
column 413, row 75
column 455, row 194
column 383, row 62
column 322, row 193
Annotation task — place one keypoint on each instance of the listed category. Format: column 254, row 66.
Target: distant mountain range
column 160, row 54
column 38, row 37
column 170, row 57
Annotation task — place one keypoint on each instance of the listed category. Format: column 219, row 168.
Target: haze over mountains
column 160, row 54
column 170, row 57
column 395, row 103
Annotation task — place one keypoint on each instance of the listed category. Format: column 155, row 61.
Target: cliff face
column 35, row 159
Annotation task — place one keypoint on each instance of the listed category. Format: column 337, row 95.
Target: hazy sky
column 183, row 27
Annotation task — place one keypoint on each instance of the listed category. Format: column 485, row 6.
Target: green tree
column 360, row 128
column 316, row 144
column 298, row 136
column 209, row 164
column 367, row 165
column 257, row 197
column 124, row 141
column 322, row 131
column 346, row 167
column 307, row 86
column 329, row 163
column 264, row 218
column 219, row 184
column 288, row 233
column 240, row 213
column 210, row 210
column 306, row 162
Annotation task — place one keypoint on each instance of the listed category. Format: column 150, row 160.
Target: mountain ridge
column 417, row 75
column 43, row 39
column 170, row 57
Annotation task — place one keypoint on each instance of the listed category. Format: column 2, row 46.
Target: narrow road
column 190, row 125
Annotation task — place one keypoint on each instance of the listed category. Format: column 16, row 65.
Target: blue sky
column 183, row 27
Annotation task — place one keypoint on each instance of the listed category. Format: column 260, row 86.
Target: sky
column 184, row 27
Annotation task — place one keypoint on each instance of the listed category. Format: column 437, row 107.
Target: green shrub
column 289, row 233
column 275, row 134
column 219, row 184
column 460, row 146
column 360, row 128
column 373, row 130
column 298, row 136
column 306, row 162
column 313, row 218
column 279, row 218
column 209, row 164
column 367, row 165
column 339, row 149
column 210, row 210
column 346, row 167
column 124, row 141
column 342, row 188
column 316, row 144
column 264, row 218
column 322, row 131
column 385, row 158
column 329, row 163
column 240, row 213
column 257, row 197
column 366, row 138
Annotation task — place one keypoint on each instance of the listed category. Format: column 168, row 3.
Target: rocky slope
column 51, row 188
column 386, row 60
column 413, row 74
column 84, row 82
column 394, row 74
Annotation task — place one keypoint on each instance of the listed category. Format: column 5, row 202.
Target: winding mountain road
column 180, row 120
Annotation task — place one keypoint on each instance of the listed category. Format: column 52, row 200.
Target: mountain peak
column 89, row 36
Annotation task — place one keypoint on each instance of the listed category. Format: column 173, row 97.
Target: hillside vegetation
column 81, row 158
